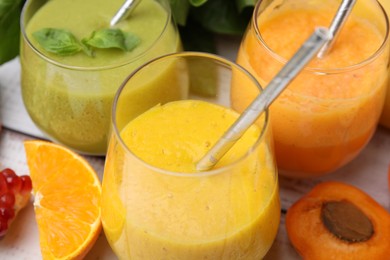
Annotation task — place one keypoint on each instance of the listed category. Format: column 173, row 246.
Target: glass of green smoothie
column 73, row 63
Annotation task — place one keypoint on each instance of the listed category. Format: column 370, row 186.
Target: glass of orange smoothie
column 328, row 113
column 155, row 205
column 385, row 117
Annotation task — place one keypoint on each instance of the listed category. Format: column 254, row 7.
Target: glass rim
column 92, row 68
column 319, row 70
column 228, row 64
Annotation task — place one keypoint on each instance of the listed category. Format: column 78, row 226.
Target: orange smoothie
column 385, row 117
column 156, row 206
column 330, row 111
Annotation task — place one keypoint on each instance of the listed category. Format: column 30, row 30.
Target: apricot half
column 339, row 221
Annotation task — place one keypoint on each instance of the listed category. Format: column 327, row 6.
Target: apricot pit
column 338, row 221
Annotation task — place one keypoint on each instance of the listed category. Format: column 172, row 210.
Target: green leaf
column 6, row 6
column 87, row 49
column 196, row 38
column 58, row 41
column 106, row 38
column 131, row 41
column 112, row 38
column 9, row 29
column 197, row 2
column 222, row 16
column 180, row 9
column 242, row 4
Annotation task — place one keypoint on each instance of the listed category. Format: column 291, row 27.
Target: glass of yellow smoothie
column 73, row 62
column 155, row 205
column 328, row 113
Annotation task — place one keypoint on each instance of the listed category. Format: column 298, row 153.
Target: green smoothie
column 70, row 97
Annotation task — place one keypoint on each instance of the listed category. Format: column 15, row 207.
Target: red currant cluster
column 14, row 194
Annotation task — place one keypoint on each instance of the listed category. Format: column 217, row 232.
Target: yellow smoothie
column 330, row 111
column 156, row 206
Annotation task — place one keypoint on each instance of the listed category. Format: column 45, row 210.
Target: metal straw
column 124, row 11
column 307, row 51
column 336, row 25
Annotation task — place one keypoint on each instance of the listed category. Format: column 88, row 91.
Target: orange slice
column 67, row 200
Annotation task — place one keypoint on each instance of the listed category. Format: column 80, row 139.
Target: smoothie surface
column 81, row 18
column 285, row 32
column 358, row 41
column 174, row 137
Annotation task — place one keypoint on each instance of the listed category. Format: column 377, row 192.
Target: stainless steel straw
column 124, row 11
column 307, row 51
column 337, row 23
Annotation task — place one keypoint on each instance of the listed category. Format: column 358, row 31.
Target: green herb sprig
column 64, row 43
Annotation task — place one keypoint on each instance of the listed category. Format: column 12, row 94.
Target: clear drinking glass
column 160, row 209
column 70, row 97
column 385, row 116
column 329, row 112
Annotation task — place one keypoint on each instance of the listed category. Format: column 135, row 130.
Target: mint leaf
column 131, row 41
column 106, row 38
column 58, row 41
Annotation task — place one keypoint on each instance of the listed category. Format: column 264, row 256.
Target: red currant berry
column 26, row 184
column 13, row 180
column 7, row 200
column 3, row 184
column 7, row 213
column 8, row 172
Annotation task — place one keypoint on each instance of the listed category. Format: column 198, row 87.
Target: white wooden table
column 367, row 172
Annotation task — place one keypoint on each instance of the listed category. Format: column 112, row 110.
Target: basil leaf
column 106, row 38
column 131, row 41
column 87, row 49
column 9, row 29
column 112, row 38
column 58, row 41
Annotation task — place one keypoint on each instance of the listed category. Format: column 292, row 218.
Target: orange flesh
column 67, row 200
